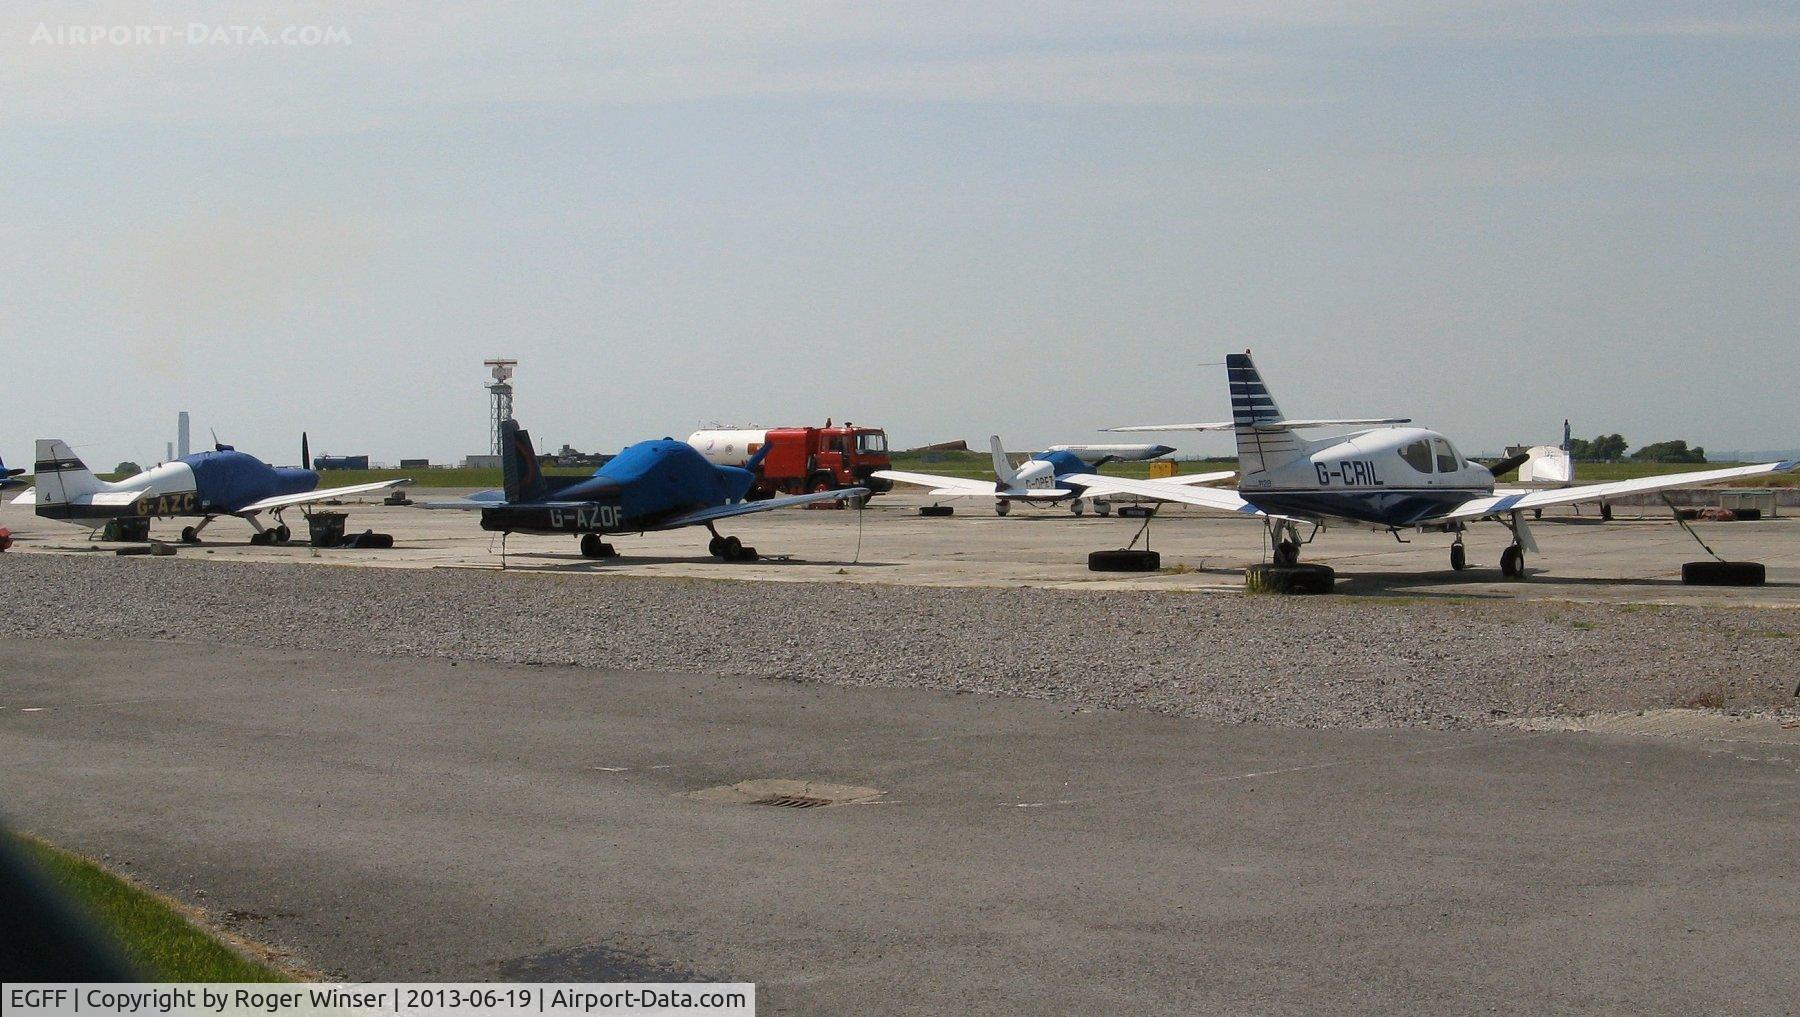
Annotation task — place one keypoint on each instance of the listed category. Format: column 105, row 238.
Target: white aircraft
column 1044, row 478
column 1392, row 478
column 223, row 482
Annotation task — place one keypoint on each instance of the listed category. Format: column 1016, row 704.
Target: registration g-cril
column 1388, row 476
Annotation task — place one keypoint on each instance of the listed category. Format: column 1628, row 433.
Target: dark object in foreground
column 1125, row 560
column 1304, row 578
column 1723, row 573
column 43, row 938
column 937, row 510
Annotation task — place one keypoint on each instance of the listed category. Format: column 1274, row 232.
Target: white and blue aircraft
column 1389, row 477
column 1045, row 478
column 8, row 477
column 222, row 482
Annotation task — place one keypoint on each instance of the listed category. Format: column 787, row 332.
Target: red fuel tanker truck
column 801, row 459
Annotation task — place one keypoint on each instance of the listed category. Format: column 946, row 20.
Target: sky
column 950, row 220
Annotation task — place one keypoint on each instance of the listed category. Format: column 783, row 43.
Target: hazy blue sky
column 947, row 219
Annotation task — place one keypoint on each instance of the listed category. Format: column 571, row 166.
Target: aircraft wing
column 323, row 494
column 744, row 508
column 1198, row 478
column 950, row 486
column 1269, row 425
column 1205, row 497
column 28, row 498
column 1515, row 501
column 478, row 500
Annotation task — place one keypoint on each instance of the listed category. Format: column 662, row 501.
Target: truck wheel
column 1723, row 573
column 1124, row 561
column 821, row 482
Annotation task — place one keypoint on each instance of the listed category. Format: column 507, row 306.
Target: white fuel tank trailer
column 728, row 446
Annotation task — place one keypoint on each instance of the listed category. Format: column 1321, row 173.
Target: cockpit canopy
column 1432, row 455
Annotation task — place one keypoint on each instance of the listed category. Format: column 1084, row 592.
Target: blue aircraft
column 652, row 485
column 1388, row 477
column 222, row 482
column 1047, row 477
column 7, row 482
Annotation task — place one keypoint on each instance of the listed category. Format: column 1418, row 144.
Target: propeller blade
column 1507, row 465
column 305, row 453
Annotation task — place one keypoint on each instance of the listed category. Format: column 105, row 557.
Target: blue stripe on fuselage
column 1385, row 507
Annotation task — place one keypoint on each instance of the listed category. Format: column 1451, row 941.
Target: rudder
column 1261, row 442
column 61, row 475
column 520, row 472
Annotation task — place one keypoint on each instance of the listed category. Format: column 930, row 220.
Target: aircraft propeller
column 305, row 453
column 1507, row 465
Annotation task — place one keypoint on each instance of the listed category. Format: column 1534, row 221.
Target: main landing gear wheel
column 1124, row 561
column 937, row 510
column 1289, row 579
column 1459, row 558
column 730, row 549
column 1512, row 562
column 1287, row 554
column 1723, row 573
column 1077, row 507
column 1002, row 507
column 1103, row 508
column 189, row 535
column 282, row 534
column 593, row 547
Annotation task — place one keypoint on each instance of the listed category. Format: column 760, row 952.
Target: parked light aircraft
column 1045, row 478
column 222, row 482
column 652, row 485
column 7, row 478
column 1390, row 477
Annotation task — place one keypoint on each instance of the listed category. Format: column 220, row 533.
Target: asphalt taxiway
column 421, row 819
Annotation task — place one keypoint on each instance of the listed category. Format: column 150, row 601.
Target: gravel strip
column 1333, row 662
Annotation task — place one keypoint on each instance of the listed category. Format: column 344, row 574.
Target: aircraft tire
column 1002, row 507
column 189, row 535
column 731, row 548
column 591, row 546
column 716, row 547
column 1512, row 562
column 1103, row 507
column 1605, row 512
column 1124, row 561
column 1077, row 507
column 1459, row 558
column 283, row 534
column 1723, row 573
column 937, row 510
column 1302, row 579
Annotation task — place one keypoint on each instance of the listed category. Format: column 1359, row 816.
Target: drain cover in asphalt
column 787, row 794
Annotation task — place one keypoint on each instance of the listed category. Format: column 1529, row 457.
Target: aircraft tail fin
column 61, row 475
column 520, row 471
column 1004, row 474
column 1262, row 443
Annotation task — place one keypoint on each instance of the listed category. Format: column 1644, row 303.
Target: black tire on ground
column 937, row 510
column 1512, row 562
column 260, row 537
column 1103, row 507
column 1606, row 512
column 591, row 546
column 731, row 548
column 716, row 547
column 1723, row 573
column 1747, row 515
column 282, row 534
column 1077, row 507
column 369, row 540
column 1137, row 511
column 1124, row 561
column 1002, row 507
column 1289, row 579
column 189, row 535
column 747, row 553
column 1459, row 558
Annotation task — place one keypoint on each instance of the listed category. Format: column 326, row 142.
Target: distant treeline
column 1610, row 448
